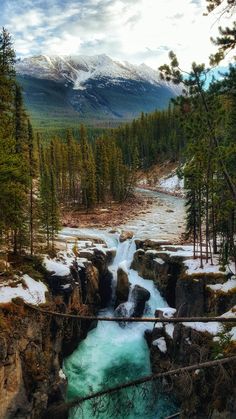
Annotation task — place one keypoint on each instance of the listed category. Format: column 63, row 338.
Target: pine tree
column 49, row 214
column 13, row 141
column 88, row 175
column 102, row 170
column 7, row 84
column 33, row 172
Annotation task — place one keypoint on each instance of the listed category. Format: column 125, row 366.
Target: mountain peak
column 78, row 69
column 92, row 87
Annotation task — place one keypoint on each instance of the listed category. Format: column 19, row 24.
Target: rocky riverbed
column 134, row 269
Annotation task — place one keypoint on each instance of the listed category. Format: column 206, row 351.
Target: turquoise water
column 111, row 355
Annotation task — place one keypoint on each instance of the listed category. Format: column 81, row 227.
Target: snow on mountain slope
column 79, row 69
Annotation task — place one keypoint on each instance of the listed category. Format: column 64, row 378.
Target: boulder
column 122, row 288
column 190, row 297
column 126, row 235
column 139, row 296
column 124, row 310
column 163, row 269
column 100, row 261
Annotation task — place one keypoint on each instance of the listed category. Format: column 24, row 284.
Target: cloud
column 136, row 31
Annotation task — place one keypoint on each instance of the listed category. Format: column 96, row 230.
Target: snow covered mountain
column 95, row 86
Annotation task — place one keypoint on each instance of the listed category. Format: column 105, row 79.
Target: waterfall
column 111, row 354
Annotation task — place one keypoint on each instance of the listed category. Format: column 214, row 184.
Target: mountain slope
column 66, row 90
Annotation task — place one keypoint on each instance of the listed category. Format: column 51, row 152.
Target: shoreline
column 110, row 215
column 177, row 194
column 114, row 214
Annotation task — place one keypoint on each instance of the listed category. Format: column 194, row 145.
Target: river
column 112, row 353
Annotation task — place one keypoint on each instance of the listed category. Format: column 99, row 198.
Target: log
column 152, row 377
column 135, row 319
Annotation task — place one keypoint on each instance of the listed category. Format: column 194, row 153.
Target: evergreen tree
column 33, row 172
column 50, row 218
column 88, row 175
column 13, row 170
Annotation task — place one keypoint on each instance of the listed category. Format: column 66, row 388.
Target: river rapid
column 113, row 354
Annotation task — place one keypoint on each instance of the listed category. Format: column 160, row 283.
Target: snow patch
column 225, row 287
column 193, row 266
column 167, row 312
column 159, row 261
column 34, row 293
column 213, row 328
column 233, row 333
column 59, row 267
column 151, row 252
column 62, row 375
column 169, row 328
column 161, row 344
column 171, row 184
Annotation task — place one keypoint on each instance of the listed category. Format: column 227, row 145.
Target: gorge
column 100, row 356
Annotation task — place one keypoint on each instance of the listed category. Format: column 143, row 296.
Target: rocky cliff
column 192, row 292
column 33, row 345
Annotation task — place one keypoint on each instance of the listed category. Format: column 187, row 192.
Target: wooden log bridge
column 64, row 407
column 153, row 377
column 134, row 319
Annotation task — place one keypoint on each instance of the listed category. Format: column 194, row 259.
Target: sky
column 138, row 31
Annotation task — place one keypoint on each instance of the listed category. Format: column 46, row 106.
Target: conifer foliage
column 38, row 176
column 19, row 178
column 210, row 178
column 87, row 174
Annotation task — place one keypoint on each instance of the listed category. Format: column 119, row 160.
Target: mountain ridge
column 92, row 87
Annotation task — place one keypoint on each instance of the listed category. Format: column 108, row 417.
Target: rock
column 159, row 266
column 92, row 295
column 148, row 336
column 124, row 310
column 111, row 253
column 122, row 287
column 33, row 346
column 3, row 348
column 126, row 235
column 139, row 296
column 100, row 260
column 105, row 288
column 86, row 254
column 190, row 297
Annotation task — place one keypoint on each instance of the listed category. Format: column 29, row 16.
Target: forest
column 40, row 175
column 117, row 294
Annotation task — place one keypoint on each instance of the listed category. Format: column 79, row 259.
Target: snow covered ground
column 214, row 328
column 60, row 265
column 172, row 184
column 226, row 287
column 193, row 266
column 31, row 291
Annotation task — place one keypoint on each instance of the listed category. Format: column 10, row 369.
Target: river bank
column 110, row 215
column 89, row 268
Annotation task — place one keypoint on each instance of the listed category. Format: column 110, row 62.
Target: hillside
column 62, row 91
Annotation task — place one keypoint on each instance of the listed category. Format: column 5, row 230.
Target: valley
column 117, row 209
column 62, row 92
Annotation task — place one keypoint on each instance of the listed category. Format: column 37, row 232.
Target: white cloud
column 133, row 30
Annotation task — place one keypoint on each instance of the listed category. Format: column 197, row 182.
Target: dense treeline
column 38, row 176
column 87, row 173
column 152, row 138
column 198, row 130
column 21, row 198
column 210, row 178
